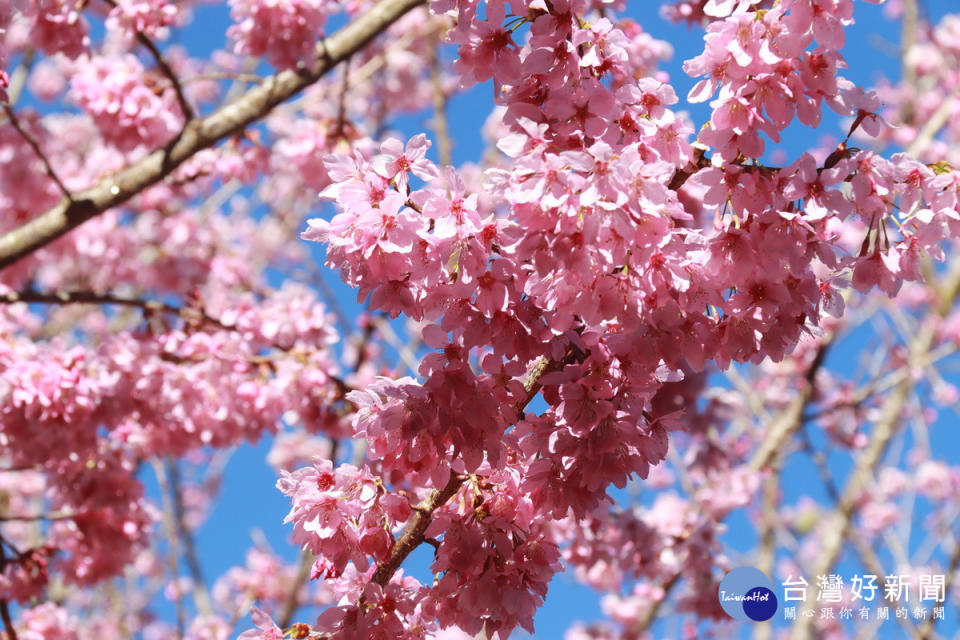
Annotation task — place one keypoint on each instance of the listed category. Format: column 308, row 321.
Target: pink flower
column 880, row 268
column 486, row 48
column 148, row 17
column 128, row 112
column 395, row 162
column 825, row 17
column 266, row 629
column 285, row 31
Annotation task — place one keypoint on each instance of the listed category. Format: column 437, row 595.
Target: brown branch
column 768, row 538
column 339, row 132
column 18, row 79
column 198, row 134
column 38, row 151
column 650, row 615
column 792, row 417
column 872, row 563
column 201, row 596
column 413, row 533
column 768, row 456
column 250, row 78
column 927, row 628
column 37, row 517
column 304, row 564
column 839, row 521
column 188, row 314
column 173, row 555
column 188, row 113
column 680, row 176
column 31, row 296
column 4, row 606
column 7, row 622
column 908, row 38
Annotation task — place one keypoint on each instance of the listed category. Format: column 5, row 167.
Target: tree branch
column 792, row 417
column 304, row 564
column 46, row 517
column 38, row 151
column 439, row 104
column 201, row 596
column 413, row 533
column 4, row 606
column 839, row 521
column 18, row 79
column 188, row 113
column 31, row 296
column 198, row 134
column 185, row 107
column 7, row 622
column 927, row 628
column 172, row 541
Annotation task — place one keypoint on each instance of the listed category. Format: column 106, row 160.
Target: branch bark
column 792, row 417
column 198, row 134
column 201, row 595
column 31, row 296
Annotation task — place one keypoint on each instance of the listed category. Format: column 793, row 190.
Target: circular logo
column 746, row 594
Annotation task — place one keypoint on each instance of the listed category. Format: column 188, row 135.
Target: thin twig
column 792, row 417
column 927, row 628
column 31, row 296
column 933, row 124
column 4, row 606
column 201, row 596
column 838, row 522
column 648, row 617
column 340, row 131
column 413, row 534
column 250, row 78
column 170, row 529
column 290, row 603
column 18, row 79
column 37, row 517
column 201, row 133
column 7, row 622
column 439, row 104
column 908, row 38
column 188, row 113
column 38, row 151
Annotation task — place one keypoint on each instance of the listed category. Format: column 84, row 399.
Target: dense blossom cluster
column 147, row 17
column 128, row 111
column 57, row 26
column 284, row 31
column 567, row 301
column 602, row 182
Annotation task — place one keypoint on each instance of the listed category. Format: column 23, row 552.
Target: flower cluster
column 57, row 26
column 342, row 515
column 131, row 108
column 148, row 17
column 284, row 31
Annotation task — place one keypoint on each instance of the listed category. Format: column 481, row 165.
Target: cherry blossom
column 610, row 340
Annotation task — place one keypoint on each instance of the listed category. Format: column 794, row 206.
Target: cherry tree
column 618, row 330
